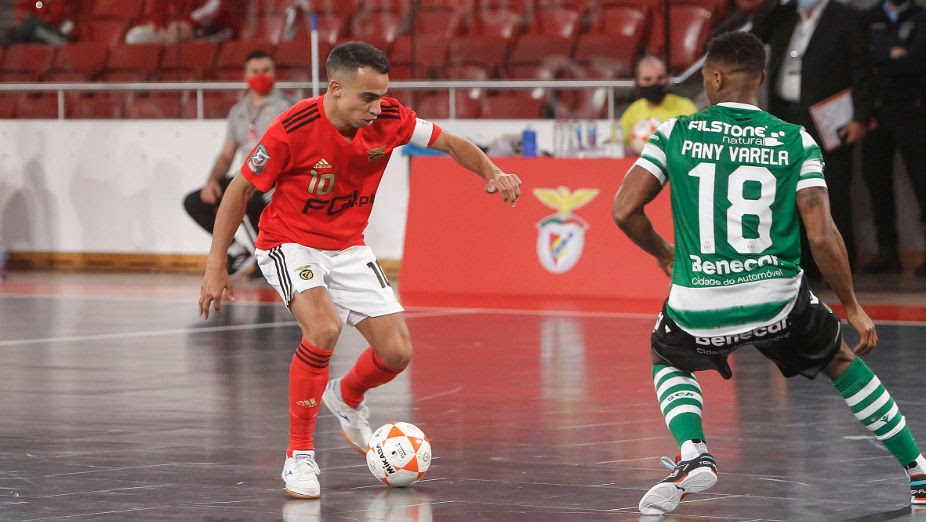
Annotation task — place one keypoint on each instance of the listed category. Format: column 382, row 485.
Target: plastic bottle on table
column 529, row 142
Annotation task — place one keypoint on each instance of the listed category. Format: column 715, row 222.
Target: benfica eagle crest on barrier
column 561, row 236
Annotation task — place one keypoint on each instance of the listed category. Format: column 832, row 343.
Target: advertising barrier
column 558, row 243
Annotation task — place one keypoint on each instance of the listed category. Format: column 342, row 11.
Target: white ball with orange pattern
column 399, row 454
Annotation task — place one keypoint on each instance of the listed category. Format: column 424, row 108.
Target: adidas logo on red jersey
column 322, row 164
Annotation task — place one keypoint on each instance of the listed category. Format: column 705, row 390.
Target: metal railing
column 199, row 88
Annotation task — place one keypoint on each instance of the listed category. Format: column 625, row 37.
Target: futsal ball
column 640, row 132
column 399, row 453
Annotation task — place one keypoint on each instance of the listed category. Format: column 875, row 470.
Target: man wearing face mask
column 819, row 48
column 247, row 121
column 898, row 55
column 655, row 105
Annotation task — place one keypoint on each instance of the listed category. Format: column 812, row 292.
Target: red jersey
column 325, row 185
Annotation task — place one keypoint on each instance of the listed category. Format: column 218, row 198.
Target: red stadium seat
column 187, row 61
column 654, row 15
column 37, row 105
column 467, row 72
column 263, row 27
column 100, row 105
column 395, row 6
column 26, row 62
column 445, row 22
column 583, row 103
column 343, row 8
column 497, row 22
column 231, row 57
column 216, row 104
column 520, row 6
column 379, row 25
column 577, row 5
column 690, row 27
column 554, row 21
column 426, row 54
column 436, row 105
column 486, row 51
column 536, row 50
column 155, row 105
column 626, row 24
column 331, row 27
column 513, row 104
column 607, row 50
column 105, row 31
column 118, row 9
column 468, row 101
column 277, row 7
column 131, row 62
column 8, row 101
column 77, row 62
column 461, row 5
column 718, row 8
column 293, row 60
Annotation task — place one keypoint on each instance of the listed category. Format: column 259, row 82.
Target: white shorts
column 354, row 280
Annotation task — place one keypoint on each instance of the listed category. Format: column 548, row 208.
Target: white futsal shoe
column 300, row 475
column 355, row 422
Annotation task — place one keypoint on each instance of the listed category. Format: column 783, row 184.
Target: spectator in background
column 898, row 56
column 819, row 48
column 48, row 22
column 654, row 105
column 172, row 21
column 247, row 121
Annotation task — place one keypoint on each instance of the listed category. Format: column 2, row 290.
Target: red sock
column 308, row 375
column 368, row 372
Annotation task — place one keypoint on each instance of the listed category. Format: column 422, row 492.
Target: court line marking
column 151, row 333
column 413, row 313
column 413, row 309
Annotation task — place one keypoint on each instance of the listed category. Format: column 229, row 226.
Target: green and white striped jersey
column 735, row 171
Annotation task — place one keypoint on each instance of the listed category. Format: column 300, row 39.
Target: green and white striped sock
column 874, row 407
column 680, row 400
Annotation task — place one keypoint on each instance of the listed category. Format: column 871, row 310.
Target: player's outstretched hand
column 508, row 185
column 215, row 284
column 868, row 337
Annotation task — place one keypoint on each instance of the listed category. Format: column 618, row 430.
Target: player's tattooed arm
column 829, row 252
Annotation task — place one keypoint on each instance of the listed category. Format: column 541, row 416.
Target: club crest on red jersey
column 376, row 153
column 561, row 236
column 258, row 160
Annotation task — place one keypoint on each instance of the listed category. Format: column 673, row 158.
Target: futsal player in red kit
column 326, row 156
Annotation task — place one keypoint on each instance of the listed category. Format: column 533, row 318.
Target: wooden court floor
column 118, row 403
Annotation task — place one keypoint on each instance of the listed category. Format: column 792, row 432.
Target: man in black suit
column 898, row 56
column 817, row 49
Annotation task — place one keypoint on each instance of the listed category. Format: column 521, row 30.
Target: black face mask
column 653, row 93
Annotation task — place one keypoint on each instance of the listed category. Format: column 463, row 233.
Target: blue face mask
column 900, row 6
column 807, row 4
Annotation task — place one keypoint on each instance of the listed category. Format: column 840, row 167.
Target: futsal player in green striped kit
column 741, row 181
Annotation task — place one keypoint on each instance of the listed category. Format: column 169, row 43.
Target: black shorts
column 803, row 343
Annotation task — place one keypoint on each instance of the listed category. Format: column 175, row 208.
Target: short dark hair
column 350, row 56
column 738, row 49
column 257, row 53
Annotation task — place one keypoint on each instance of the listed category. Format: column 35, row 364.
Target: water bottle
column 615, row 144
column 559, row 139
column 591, row 135
column 2, row 263
column 529, row 143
